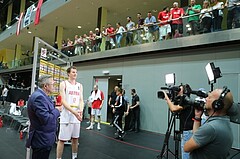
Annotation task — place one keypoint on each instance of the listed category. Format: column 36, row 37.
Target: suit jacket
column 43, row 120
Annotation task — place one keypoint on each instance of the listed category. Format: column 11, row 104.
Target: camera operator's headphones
column 219, row 104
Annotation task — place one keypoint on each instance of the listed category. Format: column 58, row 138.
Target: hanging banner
column 27, row 18
column 38, row 12
column 19, row 24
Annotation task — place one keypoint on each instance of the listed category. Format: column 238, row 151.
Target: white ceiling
column 84, row 13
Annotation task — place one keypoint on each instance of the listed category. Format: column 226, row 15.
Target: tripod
column 165, row 148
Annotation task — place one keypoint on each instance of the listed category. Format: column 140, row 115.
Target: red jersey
column 110, row 31
column 164, row 17
column 176, row 13
column 96, row 103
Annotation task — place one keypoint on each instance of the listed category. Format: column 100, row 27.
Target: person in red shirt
column 165, row 28
column 110, row 31
column 176, row 15
column 97, row 99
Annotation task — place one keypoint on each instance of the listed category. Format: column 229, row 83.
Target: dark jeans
column 135, row 120
column 194, row 27
column 206, row 25
column 129, row 38
column 233, row 16
column 217, row 23
column 177, row 26
column 41, row 153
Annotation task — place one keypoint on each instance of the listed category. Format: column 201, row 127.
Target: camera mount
column 177, row 137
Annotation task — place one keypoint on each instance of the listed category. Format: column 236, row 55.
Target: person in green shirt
column 193, row 19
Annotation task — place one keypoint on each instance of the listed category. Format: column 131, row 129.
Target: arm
column 44, row 114
column 64, row 103
column 102, row 96
column 172, row 107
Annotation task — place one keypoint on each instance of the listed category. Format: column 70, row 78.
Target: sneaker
column 90, row 127
column 98, row 127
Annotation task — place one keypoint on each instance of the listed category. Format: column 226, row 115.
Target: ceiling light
column 119, row 79
column 79, row 26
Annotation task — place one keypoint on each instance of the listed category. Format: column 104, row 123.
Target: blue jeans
column 118, row 40
column 185, row 137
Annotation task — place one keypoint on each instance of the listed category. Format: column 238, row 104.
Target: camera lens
column 160, row 94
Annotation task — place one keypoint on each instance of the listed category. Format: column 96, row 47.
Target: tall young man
column 71, row 116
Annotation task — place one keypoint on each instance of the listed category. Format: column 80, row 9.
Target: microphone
column 59, row 100
column 200, row 93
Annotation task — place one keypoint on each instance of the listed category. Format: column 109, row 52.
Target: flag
column 38, row 12
column 27, row 17
column 19, row 24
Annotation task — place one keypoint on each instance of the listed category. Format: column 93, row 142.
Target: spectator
column 120, row 29
column 97, row 103
column 135, row 107
column 165, row 28
column 177, row 34
column 55, row 45
column 5, row 66
column 77, row 50
column 87, row 43
column 98, row 39
column 213, row 139
column 139, row 32
column 205, row 18
column 92, row 39
column 130, row 26
column 110, row 34
column 152, row 27
column 43, row 117
column 217, row 15
column 193, row 20
column 176, row 15
column 107, row 38
column 233, row 15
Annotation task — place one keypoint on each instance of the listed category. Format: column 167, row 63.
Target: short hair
column 165, row 8
column 43, row 80
column 119, row 90
column 176, row 3
column 133, row 90
column 139, row 13
column 71, row 67
column 129, row 17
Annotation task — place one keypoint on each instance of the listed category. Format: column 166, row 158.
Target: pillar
column 102, row 21
column 59, row 36
column 9, row 13
column 22, row 6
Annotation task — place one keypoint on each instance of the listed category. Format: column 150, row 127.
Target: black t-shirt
column 135, row 99
column 186, row 115
column 113, row 98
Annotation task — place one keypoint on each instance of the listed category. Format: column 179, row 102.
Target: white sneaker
column 98, row 127
column 90, row 127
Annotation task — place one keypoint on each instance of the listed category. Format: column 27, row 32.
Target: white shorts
column 96, row 112
column 68, row 131
column 164, row 30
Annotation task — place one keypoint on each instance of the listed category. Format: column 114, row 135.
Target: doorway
column 107, row 84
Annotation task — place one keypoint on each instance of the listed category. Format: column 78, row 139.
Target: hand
column 112, row 106
column 198, row 113
column 165, row 95
column 59, row 108
column 78, row 115
column 126, row 113
column 113, row 110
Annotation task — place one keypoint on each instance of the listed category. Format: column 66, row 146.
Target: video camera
column 172, row 92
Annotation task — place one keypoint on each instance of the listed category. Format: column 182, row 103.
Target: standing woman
column 217, row 15
column 206, row 17
column 120, row 29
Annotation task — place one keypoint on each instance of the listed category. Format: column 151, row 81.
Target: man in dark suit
column 43, row 118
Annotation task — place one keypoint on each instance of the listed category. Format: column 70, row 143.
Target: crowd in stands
column 168, row 24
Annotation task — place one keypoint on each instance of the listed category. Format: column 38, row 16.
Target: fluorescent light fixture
column 79, row 27
column 209, row 69
column 119, row 79
column 170, row 79
column 29, row 32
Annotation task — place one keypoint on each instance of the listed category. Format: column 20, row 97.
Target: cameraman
column 214, row 139
column 186, row 114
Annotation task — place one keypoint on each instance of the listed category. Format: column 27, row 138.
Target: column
column 9, row 14
column 59, row 36
column 17, row 55
column 22, row 6
column 102, row 21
